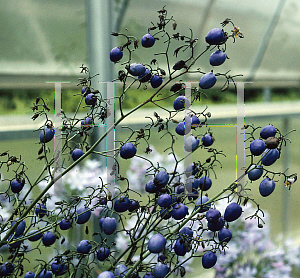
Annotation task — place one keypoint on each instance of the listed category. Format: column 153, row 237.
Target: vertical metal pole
column 240, row 137
column 110, row 162
column 57, row 188
column 267, row 94
column 99, row 19
column 120, row 15
column 99, row 41
column 265, row 40
column 204, row 18
column 99, row 28
column 187, row 123
column 240, row 133
column 285, row 193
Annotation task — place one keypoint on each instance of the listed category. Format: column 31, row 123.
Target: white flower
column 138, row 174
column 246, row 272
column 122, row 241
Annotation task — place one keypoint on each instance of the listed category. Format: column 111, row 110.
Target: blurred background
column 44, row 41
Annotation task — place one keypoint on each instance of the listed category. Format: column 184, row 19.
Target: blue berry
column 255, row 172
column 164, row 200
column 209, row 259
column 191, row 143
column 179, row 211
column 122, row 204
column 205, row 183
column 156, row 243
column 217, row 58
column 232, row 212
column 207, row 81
column 216, row 226
column 83, row 215
column 48, row 238
column 77, row 153
column 215, row 36
column 90, row 99
column 47, row 134
column 109, row 225
column 224, row 235
column 65, row 224
column 136, row 69
column 207, row 140
column 200, row 202
column 269, row 156
column 268, row 131
column 266, row 187
column 156, row 81
column 181, row 102
column 148, row 41
column 128, row 150
column 116, row 54
column 213, row 215
column 17, row 185
column 84, row 247
column 35, row 235
column 40, row 210
column 161, row 178
column 103, row 254
column 146, row 76
column 257, row 147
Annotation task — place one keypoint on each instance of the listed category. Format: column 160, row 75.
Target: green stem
column 147, row 253
column 30, row 207
column 21, row 202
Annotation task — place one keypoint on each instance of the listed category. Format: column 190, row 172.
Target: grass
column 18, row 102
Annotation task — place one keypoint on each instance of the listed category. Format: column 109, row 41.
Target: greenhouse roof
column 48, row 40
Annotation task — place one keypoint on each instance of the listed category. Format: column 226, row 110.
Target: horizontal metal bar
column 22, row 127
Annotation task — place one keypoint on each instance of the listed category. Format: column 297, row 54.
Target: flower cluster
column 252, row 253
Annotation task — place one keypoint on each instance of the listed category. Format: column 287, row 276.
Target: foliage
column 173, row 218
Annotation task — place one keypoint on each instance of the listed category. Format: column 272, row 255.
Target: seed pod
column 40, row 151
column 179, row 65
column 66, row 252
column 182, row 271
column 162, row 72
column 176, row 87
column 272, row 142
column 174, row 25
column 35, row 116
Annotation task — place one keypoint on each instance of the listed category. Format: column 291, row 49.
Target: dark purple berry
column 217, row 58
column 232, row 212
column 207, row 81
column 128, row 150
column 148, row 41
column 116, row 54
column 215, row 36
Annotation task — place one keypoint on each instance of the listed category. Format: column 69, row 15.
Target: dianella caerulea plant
column 177, row 220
